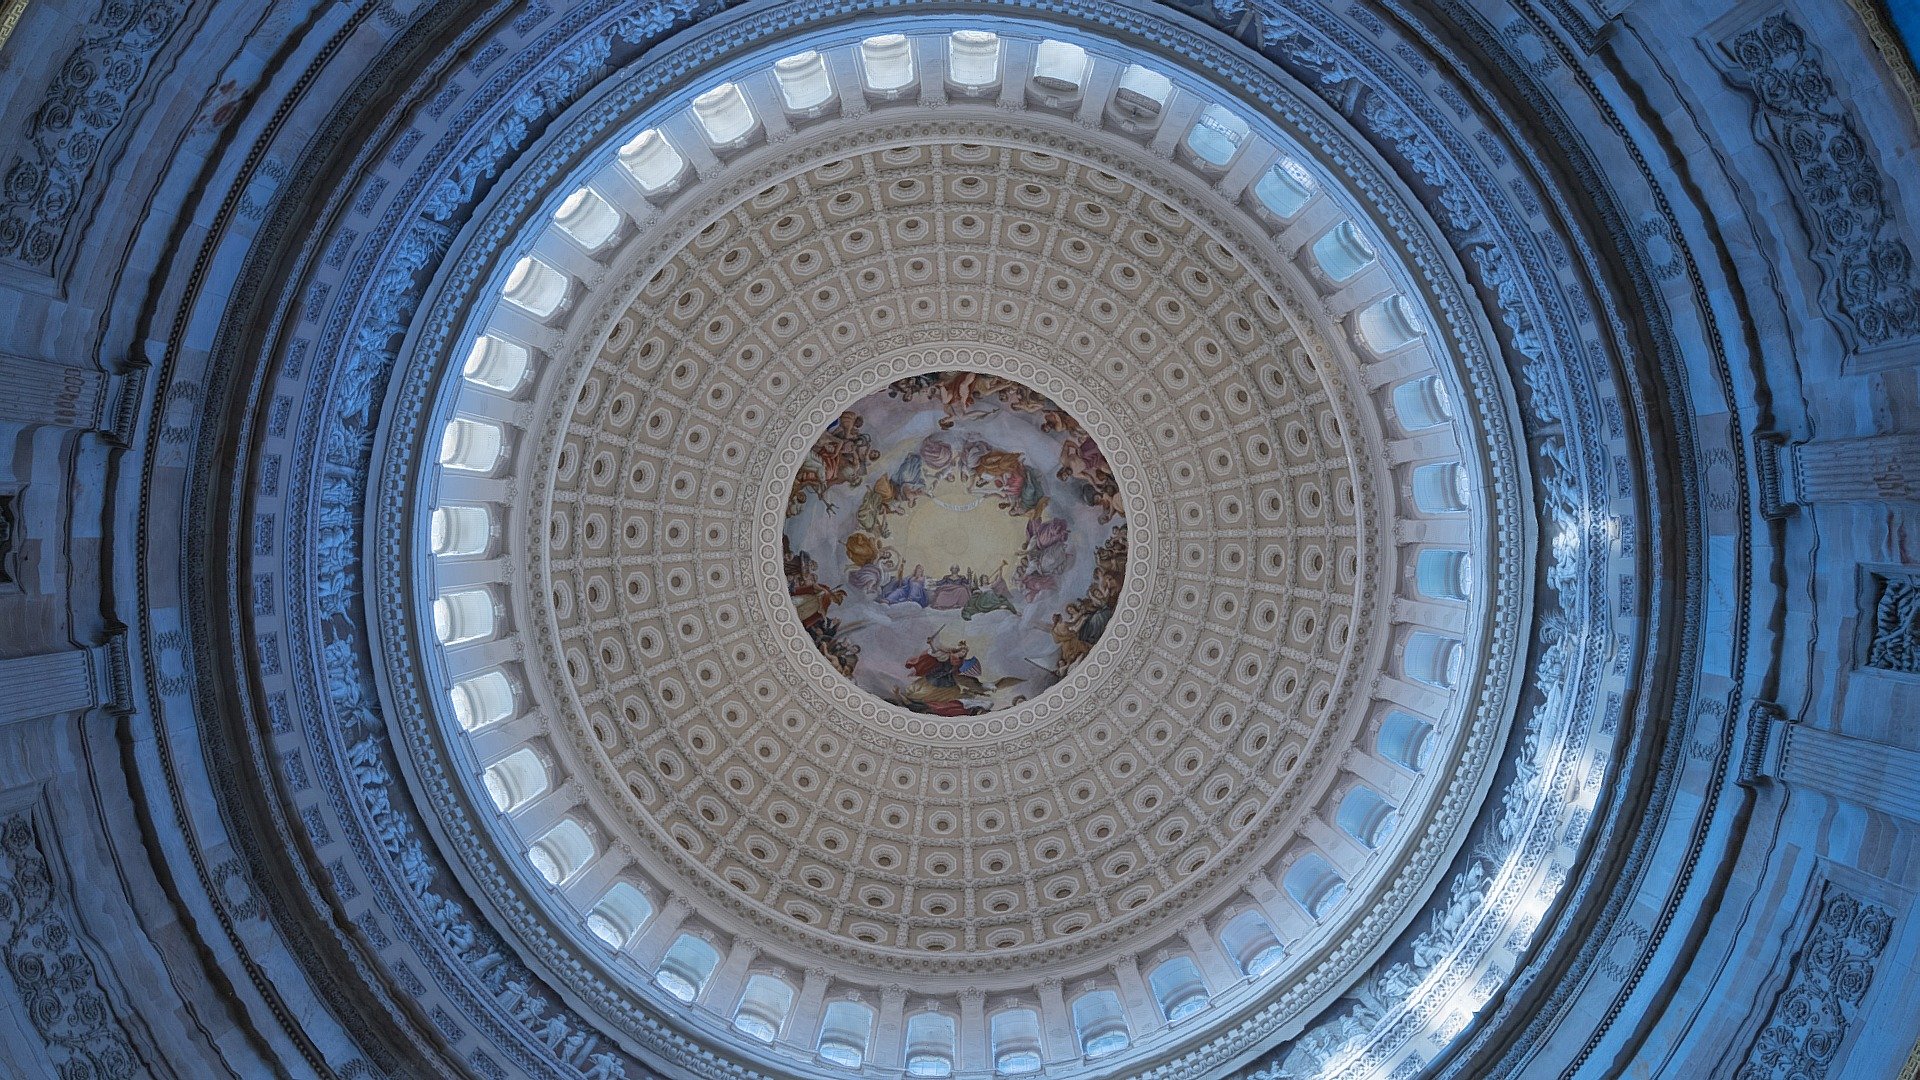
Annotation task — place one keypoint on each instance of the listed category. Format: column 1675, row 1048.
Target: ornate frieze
column 1841, row 195
column 1893, row 642
column 56, row 979
column 90, row 97
column 1809, row 1019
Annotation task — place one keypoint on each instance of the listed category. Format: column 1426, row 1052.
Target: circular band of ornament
column 1127, row 621
column 693, row 705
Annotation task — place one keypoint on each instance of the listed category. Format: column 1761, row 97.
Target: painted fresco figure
column 909, row 590
column 951, row 592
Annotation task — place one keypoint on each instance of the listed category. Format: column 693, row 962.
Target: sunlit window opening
column 887, row 60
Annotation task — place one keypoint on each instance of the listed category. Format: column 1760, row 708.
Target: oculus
column 955, row 543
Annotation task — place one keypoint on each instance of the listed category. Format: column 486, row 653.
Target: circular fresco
column 955, row 543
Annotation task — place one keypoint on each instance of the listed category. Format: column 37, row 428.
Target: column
column 1280, row 912
column 665, row 925
column 1057, row 1037
column 35, row 686
column 1216, row 967
column 890, row 1030
column 1143, row 1013
column 1879, row 468
column 534, row 819
column 495, row 741
column 803, row 1028
column 1345, row 853
column 1382, row 776
column 595, row 878
column 42, row 393
column 1860, row 771
column 1102, row 76
column 975, row 1053
column 723, row 990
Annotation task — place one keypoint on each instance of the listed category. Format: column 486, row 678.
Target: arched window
column 472, row 445
column 1365, row 816
column 619, row 915
column 843, row 1033
column 1217, row 135
column 588, row 218
column 535, row 287
column 763, row 1007
column 1251, row 942
column 1101, row 1023
column 684, row 970
column 1342, row 252
column 463, row 616
column 1403, row 740
column 1142, row 93
column 1387, row 324
column 1284, row 189
column 1442, row 573
column 460, row 530
column 652, row 162
column 1422, row 403
column 497, row 363
column 887, row 61
column 516, row 779
column 1313, row 884
column 724, row 115
column 930, row 1041
column 1060, row 67
column 1016, row 1041
column 803, row 79
column 562, row 852
column 973, row 59
column 1442, row 487
column 486, row 698
column 1432, row 659
column 1178, row 987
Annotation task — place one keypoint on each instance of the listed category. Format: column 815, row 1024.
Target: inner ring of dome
column 955, row 543
column 1259, row 401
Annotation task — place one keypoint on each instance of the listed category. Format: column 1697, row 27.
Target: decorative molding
column 120, row 410
column 57, row 981
column 1776, row 498
column 10, row 12
column 1900, row 65
column 1890, row 609
column 1831, row 972
column 89, row 98
column 1765, row 737
column 1839, row 191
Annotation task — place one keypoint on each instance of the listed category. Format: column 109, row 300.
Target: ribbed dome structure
column 829, row 539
